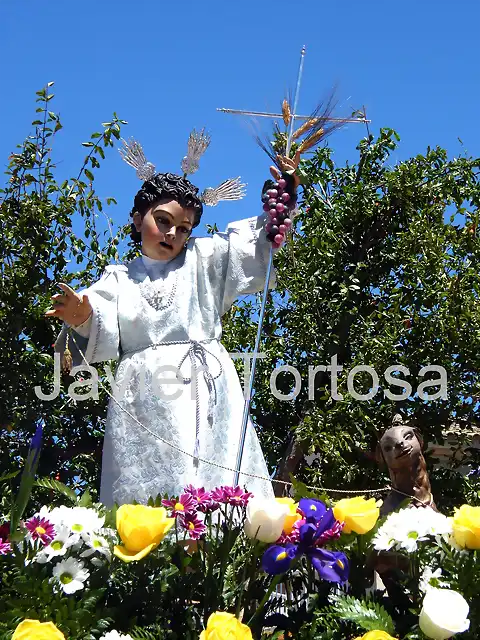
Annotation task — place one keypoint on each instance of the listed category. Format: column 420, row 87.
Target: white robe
column 149, row 315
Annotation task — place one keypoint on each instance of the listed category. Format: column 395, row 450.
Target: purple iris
column 313, row 510
column 35, row 446
column 320, row 523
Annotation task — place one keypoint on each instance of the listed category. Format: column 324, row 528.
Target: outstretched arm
column 72, row 308
column 91, row 320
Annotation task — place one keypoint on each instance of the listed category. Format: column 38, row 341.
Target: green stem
column 265, row 598
column 253, row 566
column 360, row 545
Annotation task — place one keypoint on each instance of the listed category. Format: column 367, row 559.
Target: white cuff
column 84, row 328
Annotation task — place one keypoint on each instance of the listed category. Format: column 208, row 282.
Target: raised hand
column 70, row 306
column 287, row 165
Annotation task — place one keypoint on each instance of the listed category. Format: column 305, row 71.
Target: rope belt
column 197, row 353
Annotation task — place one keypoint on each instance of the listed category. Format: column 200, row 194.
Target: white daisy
column 431, row 579
column 59, row 545
column 406, row 528
column 70, row 574
column 439, row 525
column 384, row 539
column 83, row 520
column 96, row 544
column 114, row 635
column 57, row 515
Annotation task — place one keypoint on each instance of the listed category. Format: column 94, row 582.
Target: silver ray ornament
column 232, row 189
column 198, row 142
column 133, row 155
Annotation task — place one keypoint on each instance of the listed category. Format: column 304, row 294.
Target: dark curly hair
column 161, row 186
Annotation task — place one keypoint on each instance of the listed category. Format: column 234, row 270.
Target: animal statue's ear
column 379, row 456
column 419, row 436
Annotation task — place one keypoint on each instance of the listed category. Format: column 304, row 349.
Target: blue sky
column 166, row 67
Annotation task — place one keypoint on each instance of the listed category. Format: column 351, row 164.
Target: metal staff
column 264, row 114
column 248, row 396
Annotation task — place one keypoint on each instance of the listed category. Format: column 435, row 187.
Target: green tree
column 383, row 269
column 38, row 249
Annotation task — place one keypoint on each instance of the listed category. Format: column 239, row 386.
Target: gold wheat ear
column 286, row 112
column 311, row 141
column 306, row 126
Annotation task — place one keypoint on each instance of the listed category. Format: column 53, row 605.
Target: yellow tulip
column 376, row 635
column 225, row 626
column 36, row 630
column 466, row 527
column 141, row 529
column 360, row 515
column 292, row 515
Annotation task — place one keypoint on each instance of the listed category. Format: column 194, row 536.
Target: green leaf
column 85, row 500
column 27, row 479
column 368, row 615
column 9, row 475
column 59, row 487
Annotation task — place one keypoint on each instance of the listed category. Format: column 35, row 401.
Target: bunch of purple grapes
column 277, row 203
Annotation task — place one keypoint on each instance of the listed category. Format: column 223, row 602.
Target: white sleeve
column 84, row 328
column 98, row 338
column 243, row 253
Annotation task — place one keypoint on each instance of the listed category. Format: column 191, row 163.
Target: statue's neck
column 411, row 481
column 404, row 479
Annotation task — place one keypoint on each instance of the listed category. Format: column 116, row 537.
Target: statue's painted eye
column 409, row 435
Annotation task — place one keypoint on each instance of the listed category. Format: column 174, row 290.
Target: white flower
column 428, row 575
column 56, row 516
column 444, row 613
column 265, row 519
column 83, row 520
column 58, row 546
column 96, row 544
column 406, row 528
column 114, row 635
column 70, row 575
column 439, row 525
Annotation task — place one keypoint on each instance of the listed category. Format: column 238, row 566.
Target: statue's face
column 400, row 447
column 165, row 229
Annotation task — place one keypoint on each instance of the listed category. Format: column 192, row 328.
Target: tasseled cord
column 67, row 360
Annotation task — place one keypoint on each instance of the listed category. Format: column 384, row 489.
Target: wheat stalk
column 312, row 140
column 286, row 113
column 305, row 127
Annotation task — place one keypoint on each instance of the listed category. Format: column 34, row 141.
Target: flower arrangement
column 222, row 564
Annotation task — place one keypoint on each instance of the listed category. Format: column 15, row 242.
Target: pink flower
column 185, row 504
column 40, row 529
column 192, row 523
column 231, row 495
column 330, row 534
column 202, row 498
column 5, row 547
column 294, row 537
